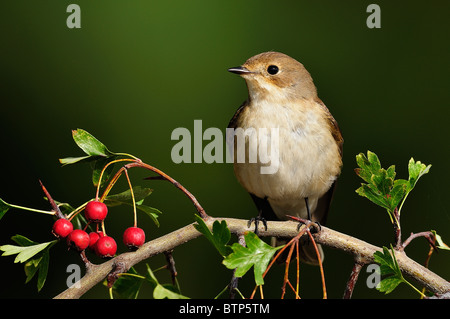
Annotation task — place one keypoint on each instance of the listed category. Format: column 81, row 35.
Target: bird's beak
column 239, row 70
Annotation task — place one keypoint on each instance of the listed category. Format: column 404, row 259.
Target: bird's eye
column 272, row 69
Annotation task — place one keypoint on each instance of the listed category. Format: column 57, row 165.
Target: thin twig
column 233, row 285
column 286, row 270
column 103, row 171
column 297, row 287
column 427, row 234
column 397, row 229
column 197, row 205
column 52, row 202
column 357, row 266
column 324, row 288
column 171, row 266
column 132, row 197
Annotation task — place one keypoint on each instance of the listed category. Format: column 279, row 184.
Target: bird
column 284, row 115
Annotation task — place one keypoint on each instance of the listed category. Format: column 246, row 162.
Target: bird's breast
column 304, row 158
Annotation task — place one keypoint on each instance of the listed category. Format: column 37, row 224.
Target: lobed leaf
column 369, row 165
column 388, row 266
column 387, row 285
column 35, row 256
column 416, row 170
column 257, row 254
column 24, row 252
column 219, row 237
column 382, row 188
column 371, row 193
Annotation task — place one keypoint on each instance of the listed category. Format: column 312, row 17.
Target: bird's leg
column 256, row 220
column 308, row 222
column 264, row 209
column 307, row 208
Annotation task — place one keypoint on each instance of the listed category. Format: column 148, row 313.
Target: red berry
column 78, row 239
column 106, row 247
column 133, row 237
column 93, row 238
column 62, row 228
column 95, row 211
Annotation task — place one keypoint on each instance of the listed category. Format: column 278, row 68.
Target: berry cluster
column 103, row 245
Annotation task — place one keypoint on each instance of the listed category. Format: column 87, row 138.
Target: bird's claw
column 316, row 227
column 256, row 220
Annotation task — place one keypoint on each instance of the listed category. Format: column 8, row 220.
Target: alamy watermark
column 73, row 280
column 374, row 277
column 373, row 21
column 248, row 145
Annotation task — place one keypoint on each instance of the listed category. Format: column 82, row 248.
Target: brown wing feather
column 323, row 204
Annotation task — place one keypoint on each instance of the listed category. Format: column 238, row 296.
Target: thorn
column 52, row 202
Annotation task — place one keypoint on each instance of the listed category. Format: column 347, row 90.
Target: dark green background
column 137, row 70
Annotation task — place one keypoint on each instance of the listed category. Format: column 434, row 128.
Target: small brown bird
column 283, row 110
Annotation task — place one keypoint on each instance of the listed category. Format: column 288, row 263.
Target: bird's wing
column 323, row 204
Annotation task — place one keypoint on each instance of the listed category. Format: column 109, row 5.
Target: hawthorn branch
column 360, row 250
column 357, row 267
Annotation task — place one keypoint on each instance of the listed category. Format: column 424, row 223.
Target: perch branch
column 328, row 237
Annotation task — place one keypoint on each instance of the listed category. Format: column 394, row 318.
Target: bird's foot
column 314, row 227
column 256, row 220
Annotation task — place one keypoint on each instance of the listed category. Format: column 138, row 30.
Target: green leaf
column 89, row 144
column 23, row 241
column 382, row 181
column 256, row 254
column 379, row 181
column 369, row 165
column 371, row 193
column 151, row 212
column 440, row 242
column 4, row 207
column 140, row 193
column 97, row 169
column 150, row 277
column 387, row 285
column 94, row 149
column 382, row 188
column 31, row 267
column 416, row 170
column 388, row 266
column 397, row 193
column 388, row 260
column 219, row 237
column 36, row 257
column 73, row 160
column 128, row 285
column 24, row 252
column 162, row 291
column 43, row 268
column 391, row 172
